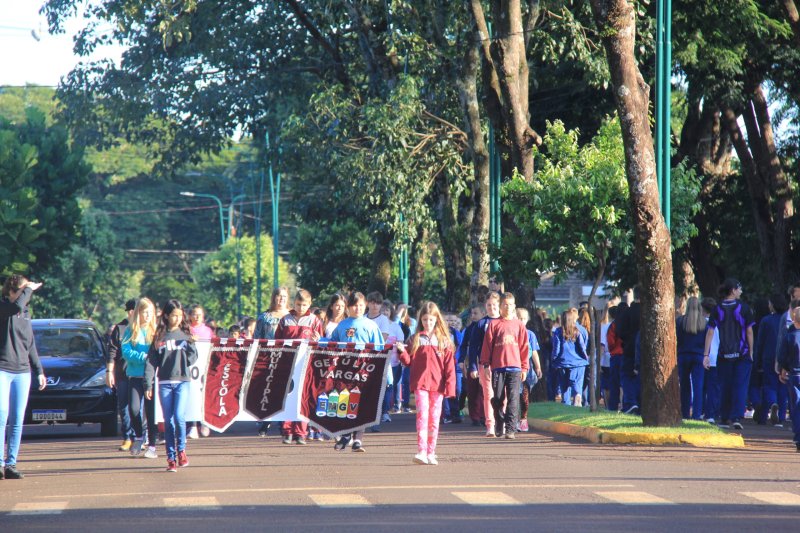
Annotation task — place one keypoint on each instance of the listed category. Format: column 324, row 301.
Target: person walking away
column 472, row 383
column 691, row 335
column 116, row 377
column 299, row 323
column 171, row 355
column 504, row 356
column 431, row 361
column 135, row 342
column 711, row 379
column 734, row 320
column 532, row 377
column 451, row 411
column 18, row 360
column 570, row 356
column 789, row 367
column 775, row 395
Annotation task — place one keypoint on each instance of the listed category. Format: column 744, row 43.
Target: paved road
column 240, row 482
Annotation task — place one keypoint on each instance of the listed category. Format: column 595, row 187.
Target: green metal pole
column 664, row 105
column 259, row 210
column 238, row 256
column 403, row 269
column 275, row 190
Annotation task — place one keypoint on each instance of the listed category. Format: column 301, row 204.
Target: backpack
column 731, row 326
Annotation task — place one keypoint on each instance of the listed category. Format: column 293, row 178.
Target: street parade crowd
column 482, row 366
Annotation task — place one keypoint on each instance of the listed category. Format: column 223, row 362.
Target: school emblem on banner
column 343, row 387
column 225, row 374
column 270, row 378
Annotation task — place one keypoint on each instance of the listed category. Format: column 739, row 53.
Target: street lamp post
column 219, row 204
column 238, row 256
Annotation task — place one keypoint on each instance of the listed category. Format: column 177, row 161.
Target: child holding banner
column 171, row 354
column 267, row 323
column 299, row 323
column 433, row 377
column 359, row 329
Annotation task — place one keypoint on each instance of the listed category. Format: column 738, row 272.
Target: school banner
column 225, row 378
column 343, row 386
column 272, row 378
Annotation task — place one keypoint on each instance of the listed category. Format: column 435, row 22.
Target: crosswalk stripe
column 340, row 500
column 774, row 498
column 486, row 498
column 196, row 503
column 37, row 508
column 633, row 497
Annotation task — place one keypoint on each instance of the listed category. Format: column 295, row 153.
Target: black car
column 73, row 355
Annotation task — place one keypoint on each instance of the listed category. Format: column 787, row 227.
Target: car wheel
column 109, row 426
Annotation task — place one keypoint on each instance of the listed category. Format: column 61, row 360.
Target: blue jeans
column 616, row 383
column 401, row 393
column 14, row 389
column 571, row 383
column 794, row 404
column 773, row 391
column 692, row 374
column 123, row 401
column 734, row 377
column 631, row 390
column 553, row 388
column 174, row 401
column 450, row 405
column 711, row 386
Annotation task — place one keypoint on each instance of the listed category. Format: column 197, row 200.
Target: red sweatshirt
column 293, row 327
column 504, row 343
column 432, row 368
column 614, row 340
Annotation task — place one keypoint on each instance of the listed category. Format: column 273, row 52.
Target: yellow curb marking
column 37, row 508
column 202, row 503
column 340, row 500
column 486, row 498
column 633, row 497
column 775, row 498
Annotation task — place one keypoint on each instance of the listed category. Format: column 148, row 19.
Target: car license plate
column 49, row 414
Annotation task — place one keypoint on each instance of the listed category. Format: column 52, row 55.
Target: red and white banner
column 270, row 379
column 225, row 376
column 343, row 387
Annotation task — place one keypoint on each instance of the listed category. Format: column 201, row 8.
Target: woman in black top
column 18, row 356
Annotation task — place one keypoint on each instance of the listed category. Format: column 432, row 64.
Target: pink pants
column 429, row 409
column 488, row 394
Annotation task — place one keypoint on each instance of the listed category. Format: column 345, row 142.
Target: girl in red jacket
column 433, row 377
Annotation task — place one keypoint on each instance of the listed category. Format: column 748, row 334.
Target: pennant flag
column 343, row 387
column 224, row 380
column 270, row 378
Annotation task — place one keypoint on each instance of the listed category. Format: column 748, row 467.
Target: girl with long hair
column 18, row 357
column 136, row 342
column 335, row 312
column 570, row 356
column 429, row 356
column 267, row 323
column 171, row 354
column 691, row 334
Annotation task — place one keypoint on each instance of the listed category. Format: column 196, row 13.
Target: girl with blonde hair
column 570, row 356
column 429, row 355
column 135, row 343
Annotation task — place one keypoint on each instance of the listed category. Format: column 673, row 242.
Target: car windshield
column 67, row 342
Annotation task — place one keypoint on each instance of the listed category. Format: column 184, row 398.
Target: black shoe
column 798, row 446
column 736, row 425
column 13, row 473
column 357, row 447
column 476, row 423
column 457, row 420
column 262, row 430
column 342, row 443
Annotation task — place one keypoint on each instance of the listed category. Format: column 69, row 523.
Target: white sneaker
column 432, row 459
column 421, row 459
column 749, row 413
column 151, row 453
column 711, row 421
column 192, row 434
column 386, row 418
column 490, row 433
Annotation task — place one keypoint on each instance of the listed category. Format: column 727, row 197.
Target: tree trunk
column 594, row 356
column 479, row 155
column 453, row 239
column 616, row 20
column 381, row 263
column 416, row 270
column 794, row 18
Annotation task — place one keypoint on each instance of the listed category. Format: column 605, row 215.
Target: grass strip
column 581, row 416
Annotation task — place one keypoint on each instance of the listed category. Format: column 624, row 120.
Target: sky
column 23, row 59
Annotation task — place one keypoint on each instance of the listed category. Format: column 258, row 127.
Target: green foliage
column 215, row 278
column 40, row 174
column 84, row 280
column 332, row 256
column 573, row 214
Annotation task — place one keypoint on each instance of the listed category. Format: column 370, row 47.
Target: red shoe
column 183, row 461
column 171, row 466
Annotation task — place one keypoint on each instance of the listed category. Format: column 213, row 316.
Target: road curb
column 602, row 436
